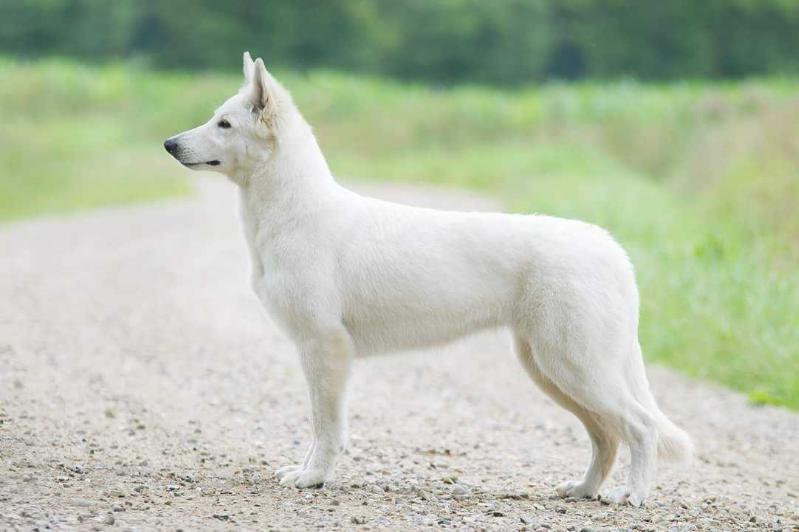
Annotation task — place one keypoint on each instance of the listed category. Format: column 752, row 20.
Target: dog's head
column 242, row 133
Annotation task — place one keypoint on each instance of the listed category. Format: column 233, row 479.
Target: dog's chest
column 249, row 224
column 284, row 266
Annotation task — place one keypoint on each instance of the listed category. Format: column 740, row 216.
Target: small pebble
column 459, row 491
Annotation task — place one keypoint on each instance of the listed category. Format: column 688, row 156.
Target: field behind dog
column 698, row 181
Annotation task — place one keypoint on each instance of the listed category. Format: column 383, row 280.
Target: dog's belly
column 415, row 309
column 382, row 333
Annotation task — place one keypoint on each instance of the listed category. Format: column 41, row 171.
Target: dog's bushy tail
column 674, row 444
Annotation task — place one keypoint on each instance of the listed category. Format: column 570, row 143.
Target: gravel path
column 142, row 388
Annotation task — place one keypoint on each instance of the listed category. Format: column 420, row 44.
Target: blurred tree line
column 441, row 41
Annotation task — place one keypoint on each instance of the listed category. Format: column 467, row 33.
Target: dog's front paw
column 310, row 478
column 285, row 470
column 299, row 477
column 624, row 496
column 575, row 490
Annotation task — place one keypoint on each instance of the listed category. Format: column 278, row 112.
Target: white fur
column 348, row 276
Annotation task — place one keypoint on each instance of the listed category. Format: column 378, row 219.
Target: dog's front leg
column 326, row 363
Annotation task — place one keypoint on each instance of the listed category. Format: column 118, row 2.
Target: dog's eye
column 224, row 124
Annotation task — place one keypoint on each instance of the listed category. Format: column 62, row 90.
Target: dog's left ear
column 247, row 66
column 262, row 92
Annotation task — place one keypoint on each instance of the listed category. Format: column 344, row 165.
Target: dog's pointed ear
column 247, row 67
column 261, row 85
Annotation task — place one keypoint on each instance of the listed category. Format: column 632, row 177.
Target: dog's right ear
column 248, row 66
column 261, row 88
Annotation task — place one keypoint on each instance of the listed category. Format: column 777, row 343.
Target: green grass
column 698, row 181
column 74, row 138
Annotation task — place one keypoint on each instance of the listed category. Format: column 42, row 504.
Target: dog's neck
column 292, row 183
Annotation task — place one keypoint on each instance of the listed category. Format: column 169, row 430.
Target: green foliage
column 697, row 181
column 75, row 137
column 503, row 42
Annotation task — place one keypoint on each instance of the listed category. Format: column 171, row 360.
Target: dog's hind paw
column 624, row 496
column 575, row 490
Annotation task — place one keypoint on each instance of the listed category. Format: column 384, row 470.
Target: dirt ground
column 142, row 388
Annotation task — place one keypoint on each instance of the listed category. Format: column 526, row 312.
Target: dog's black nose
column 171, row 146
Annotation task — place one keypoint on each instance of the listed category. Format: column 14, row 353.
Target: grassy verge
column 698, row 181
column 76, row 138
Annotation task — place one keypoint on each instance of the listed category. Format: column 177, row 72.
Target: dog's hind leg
column 604, row 442
column 595, row 378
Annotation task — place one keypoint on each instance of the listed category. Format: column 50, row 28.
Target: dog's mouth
column 214, row 162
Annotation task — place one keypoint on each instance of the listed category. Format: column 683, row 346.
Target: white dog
column 348, row 276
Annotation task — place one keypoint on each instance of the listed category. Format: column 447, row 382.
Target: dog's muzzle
column 173, row 148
